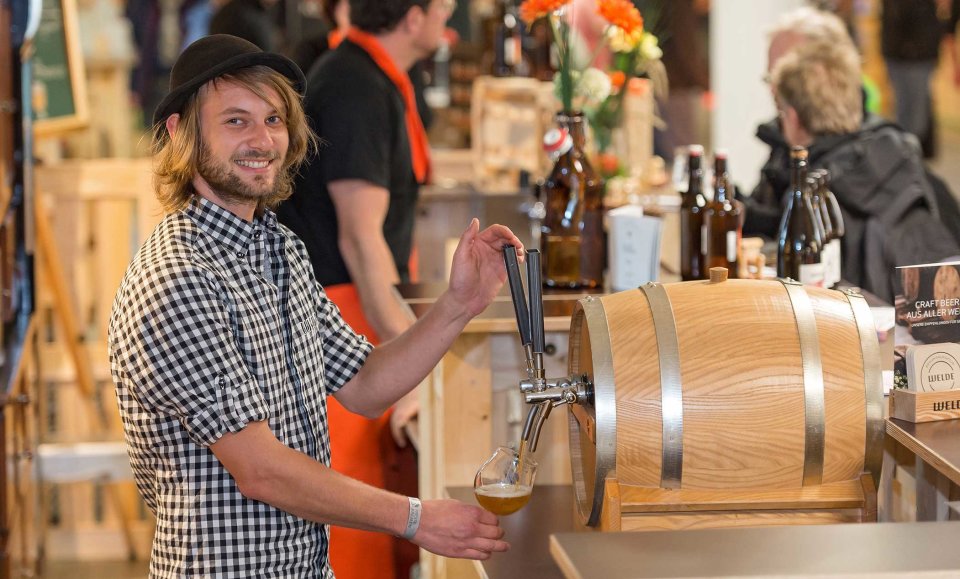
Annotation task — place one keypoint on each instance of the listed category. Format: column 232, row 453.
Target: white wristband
column 413, row 518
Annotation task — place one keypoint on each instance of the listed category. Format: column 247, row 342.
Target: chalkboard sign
column 58, row 88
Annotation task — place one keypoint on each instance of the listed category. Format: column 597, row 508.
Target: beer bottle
column 812, row 191
column 722, row 220
column 572, row 239
column 691, row 219
column 509, row 58
column 831, row 245
column 799, row 245
column 836, row 219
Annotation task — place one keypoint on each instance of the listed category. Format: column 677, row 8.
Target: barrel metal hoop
column 872, row 383
column 671, row 385
column 604, row 401
column 813, row 398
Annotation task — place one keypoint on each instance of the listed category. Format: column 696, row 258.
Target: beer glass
column 503, row 486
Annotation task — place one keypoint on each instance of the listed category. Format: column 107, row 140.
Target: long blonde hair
column 177, row 157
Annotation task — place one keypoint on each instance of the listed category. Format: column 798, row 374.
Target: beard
column 224, row 180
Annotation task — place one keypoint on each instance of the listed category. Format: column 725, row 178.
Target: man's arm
column 361, row 209
column 268, row 471
column 396, row 367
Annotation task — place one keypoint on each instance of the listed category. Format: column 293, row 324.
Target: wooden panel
column 842, row 495
column 466, row 419
column 740, row 519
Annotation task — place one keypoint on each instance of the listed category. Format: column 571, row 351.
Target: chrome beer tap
column 544, row 394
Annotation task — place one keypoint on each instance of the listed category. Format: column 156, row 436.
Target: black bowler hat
column 214, row 56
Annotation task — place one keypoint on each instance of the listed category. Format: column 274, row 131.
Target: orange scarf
column 334, row 38
column 419, row 148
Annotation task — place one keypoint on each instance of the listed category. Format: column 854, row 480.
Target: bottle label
column 811, row 274
column 703, row 239
column 836, row 260
column 511, row 50
column 732, row 246
column 827, row 263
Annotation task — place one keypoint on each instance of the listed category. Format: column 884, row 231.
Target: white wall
column 738, row 61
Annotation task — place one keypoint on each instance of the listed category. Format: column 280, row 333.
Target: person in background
column 889, row 211
column 794, row 29
column 354, row 206
column 251, row 20
column 225, row 351
column 684, row 24
column 911, row 34
column 336, row 16
column 765, row 205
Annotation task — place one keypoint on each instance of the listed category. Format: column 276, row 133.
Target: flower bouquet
column 600, row 95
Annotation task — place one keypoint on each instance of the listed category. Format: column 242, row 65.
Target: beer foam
column 504, row 491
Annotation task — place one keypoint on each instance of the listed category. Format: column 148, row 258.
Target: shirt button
column 256, row 235
column 241, row 254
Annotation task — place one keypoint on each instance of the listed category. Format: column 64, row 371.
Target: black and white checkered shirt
column 219, row 322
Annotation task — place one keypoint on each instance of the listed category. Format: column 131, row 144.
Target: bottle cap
column 695, row 150
column 557, row 142
column 720, row 154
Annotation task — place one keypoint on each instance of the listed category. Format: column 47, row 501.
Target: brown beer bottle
column 571, row 236
column 799, row 244
column 691, row 219
column 722, row 221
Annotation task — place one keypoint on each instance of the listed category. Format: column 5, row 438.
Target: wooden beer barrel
column 720, row 386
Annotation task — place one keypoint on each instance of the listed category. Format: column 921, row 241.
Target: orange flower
column 609, row 163
column 533, row 10
column 622, row 14
column 617, row 78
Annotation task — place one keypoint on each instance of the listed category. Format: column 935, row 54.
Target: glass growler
column 722, row 221
column 799, row 244
column 691, row 219
column 571, row 235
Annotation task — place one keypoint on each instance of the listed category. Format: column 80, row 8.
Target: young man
column 354, row 206
column 224, row 348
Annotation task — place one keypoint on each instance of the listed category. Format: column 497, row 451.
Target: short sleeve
column 355, row 124
column 181, row 357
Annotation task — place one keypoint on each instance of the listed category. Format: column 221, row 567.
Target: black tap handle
column 535, row 287
column 516, row 291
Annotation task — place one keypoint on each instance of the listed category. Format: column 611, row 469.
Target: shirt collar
column 235, row 233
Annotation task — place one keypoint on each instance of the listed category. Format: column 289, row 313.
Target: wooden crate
column 925, row 406
column 508, row 119
column 97, row 212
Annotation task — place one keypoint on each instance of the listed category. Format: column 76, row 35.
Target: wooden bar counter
column 930, row 451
